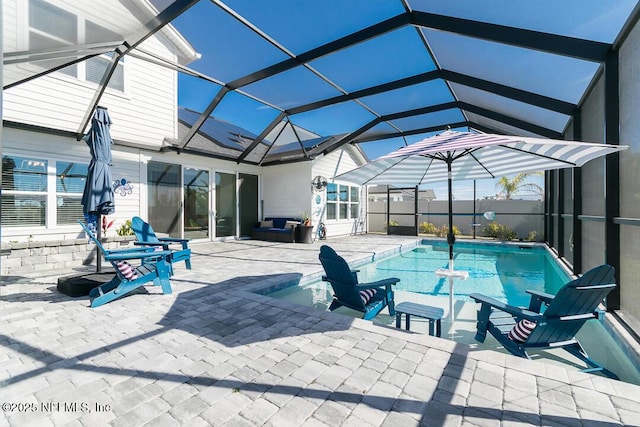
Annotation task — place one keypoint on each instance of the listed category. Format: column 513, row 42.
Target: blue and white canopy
column 474, row 156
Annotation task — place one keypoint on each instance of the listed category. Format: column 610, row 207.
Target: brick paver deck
column 214, row 353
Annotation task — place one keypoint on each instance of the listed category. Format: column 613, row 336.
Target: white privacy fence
column 522, row 216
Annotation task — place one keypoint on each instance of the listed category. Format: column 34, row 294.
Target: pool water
column 503, row 272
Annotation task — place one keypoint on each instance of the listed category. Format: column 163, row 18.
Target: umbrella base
column 79, row 285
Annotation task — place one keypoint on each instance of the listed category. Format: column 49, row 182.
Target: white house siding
column 144, row 112
column 335, row 163
column 148, row 114
column 143, row 115
column 630, row 174
column 286, row 190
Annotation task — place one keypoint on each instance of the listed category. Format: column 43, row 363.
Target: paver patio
column 214, row 353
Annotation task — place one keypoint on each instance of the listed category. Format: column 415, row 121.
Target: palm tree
column 510, row 187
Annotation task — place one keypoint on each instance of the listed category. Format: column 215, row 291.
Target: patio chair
column 520, row 329
column 147, row 237
column 127, row 278
column 368, row 298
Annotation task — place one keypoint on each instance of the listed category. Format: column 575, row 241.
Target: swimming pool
column 503, row 271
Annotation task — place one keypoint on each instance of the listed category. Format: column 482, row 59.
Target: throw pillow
column 266, row 224
column 521, row 331
column 127, row 270
column 366, row 295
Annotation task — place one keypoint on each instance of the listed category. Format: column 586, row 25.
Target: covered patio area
column 151, row 359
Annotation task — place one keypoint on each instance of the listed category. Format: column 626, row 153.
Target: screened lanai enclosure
column 292, row 81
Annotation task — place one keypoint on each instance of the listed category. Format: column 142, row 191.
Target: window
column 70, row 180
column 97, row 66
column 24, row 191
column 28, row 191
column 52, row 27
column 343, row 201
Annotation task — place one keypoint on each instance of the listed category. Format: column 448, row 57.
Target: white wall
column 335, row 163
column 286, row 190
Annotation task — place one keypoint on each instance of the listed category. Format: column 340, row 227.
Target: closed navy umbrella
column 98, row 198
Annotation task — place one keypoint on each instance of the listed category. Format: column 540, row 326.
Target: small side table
column 304, row 234
column 433, row 314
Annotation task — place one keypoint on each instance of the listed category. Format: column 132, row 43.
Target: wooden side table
column 433, row 314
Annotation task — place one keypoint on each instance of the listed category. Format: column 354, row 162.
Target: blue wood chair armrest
column 136, row 255
column 538, row 298
column 156, row 244
column 172, row 239
column 541, row 295
column 126, row 250
column 384, row 282
column 183, row 242
column 519, row 312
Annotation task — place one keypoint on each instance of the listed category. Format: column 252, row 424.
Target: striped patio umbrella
column 464, row 155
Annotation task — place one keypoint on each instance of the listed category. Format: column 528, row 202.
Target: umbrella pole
column 99, row 236
column 451, row 238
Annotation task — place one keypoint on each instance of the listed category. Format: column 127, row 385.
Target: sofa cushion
column 279, row 222
column 278, row 230
column 266, row 224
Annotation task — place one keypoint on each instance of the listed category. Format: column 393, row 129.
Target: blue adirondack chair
column 346, row 289
column 147, row 237
column 557, row 325
column 155, row 269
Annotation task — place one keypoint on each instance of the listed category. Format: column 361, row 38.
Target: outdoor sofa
column 276, row 229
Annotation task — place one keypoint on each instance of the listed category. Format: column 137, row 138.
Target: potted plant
column 306, row 219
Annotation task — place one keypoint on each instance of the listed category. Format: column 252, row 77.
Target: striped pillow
column 127, row 270
column 367, row 294
column 521, row 331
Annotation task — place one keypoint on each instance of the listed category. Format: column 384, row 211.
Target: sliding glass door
column 248, row 203
column 165, row 198
column 226, row 206
column 196, row 203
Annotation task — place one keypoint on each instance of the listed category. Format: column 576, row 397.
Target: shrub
column 428, row 228
column 532, row 236
column 393, row 223
column 125, row 229
column 444, row 230
column 499, row 231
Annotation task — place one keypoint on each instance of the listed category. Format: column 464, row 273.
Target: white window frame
column 348, row 203
column 81, row 67
column 51, row 195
